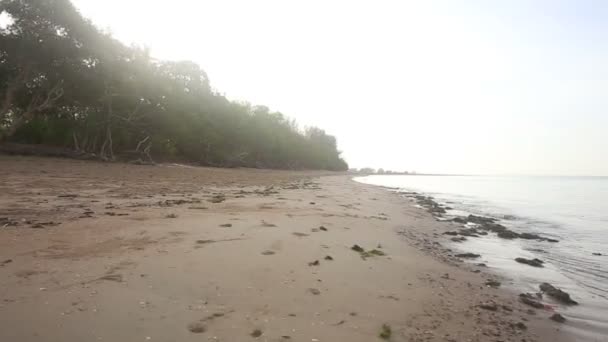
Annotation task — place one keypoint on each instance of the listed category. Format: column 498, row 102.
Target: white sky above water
column 498, row 87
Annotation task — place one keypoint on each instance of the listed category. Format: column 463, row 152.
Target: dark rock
column 558, row 318
column 596, row 254
column 508, row 234
column 551, row 240
column 532, row 262
column 557, row 294
column 467, row 255
column 530, row 300
column 323, row 228
column 493, row 227
column 226, row 225
column 471, row 232
column 481, row 264
column 7, row 261
column 314, row 263
column 329, row 258
column 480, row 220
column 459, row 220
column 529, row 236
column 458, row 239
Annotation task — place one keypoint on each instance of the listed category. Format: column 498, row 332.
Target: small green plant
column 385, row 332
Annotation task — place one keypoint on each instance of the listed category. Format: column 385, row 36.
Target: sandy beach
column 115, row 252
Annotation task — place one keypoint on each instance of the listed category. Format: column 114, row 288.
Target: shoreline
column 502, row 249
column 164, row 254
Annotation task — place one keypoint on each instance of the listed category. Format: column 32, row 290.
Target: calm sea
column 573, row 210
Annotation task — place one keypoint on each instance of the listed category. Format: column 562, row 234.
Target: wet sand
column 115, row 252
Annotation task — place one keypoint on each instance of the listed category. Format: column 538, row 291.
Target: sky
column 433, row 86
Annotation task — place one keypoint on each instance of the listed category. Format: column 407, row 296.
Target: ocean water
column 573, row 210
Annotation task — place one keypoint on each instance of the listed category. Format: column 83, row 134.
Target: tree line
column 65, row 83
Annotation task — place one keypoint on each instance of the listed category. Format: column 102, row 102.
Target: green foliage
column 386, row 332
column 65, row 83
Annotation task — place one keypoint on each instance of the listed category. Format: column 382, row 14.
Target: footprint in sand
column 277, row 245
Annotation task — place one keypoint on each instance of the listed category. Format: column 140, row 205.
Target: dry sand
column 114, row 252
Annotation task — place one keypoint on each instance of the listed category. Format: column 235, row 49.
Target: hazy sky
column 434, row 86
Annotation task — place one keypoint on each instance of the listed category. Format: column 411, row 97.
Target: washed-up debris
column 226, row 225
column 256, row 333
column 217, row 198
column 357, row 248
column 492, row 283
column 489, row 306
column 385, row 332
column 314, row 291
column 518, row 326
column 7, row 261
column 197, row 327
column 459, row 239
column 266, row 224
column 367, row 254
column 596, row 254
column 558, row 318
column 314, row 263
column 329, row 258
column 323, row 228
column 298, row 234
column 6, row 222
column 112, row 277
column 530, row 300
column 373, row 252
column 268, row 253
column 468, row 255
column 171, row 216
column 558, row 294
column 532, row 262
